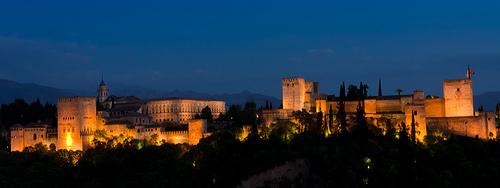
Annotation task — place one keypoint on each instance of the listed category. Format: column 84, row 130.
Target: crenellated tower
column 76, row 122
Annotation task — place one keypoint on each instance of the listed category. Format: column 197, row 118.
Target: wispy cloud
column 326, row 52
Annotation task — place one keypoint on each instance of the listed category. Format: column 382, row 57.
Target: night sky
column 229, row 46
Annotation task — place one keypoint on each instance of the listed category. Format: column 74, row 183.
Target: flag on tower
column 470, row 73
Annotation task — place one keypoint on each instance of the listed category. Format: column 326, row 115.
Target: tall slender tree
column 342, row 91
column 330, row 119
column 361, row 92
column 319, row 123
column 404, row 157
column 360, row 115
column 413, row 131
column 379, row 87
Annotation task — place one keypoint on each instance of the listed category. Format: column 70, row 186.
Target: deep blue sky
column 230, row 46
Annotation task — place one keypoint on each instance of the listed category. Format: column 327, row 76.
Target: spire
column 379, row 87
column 102, row 80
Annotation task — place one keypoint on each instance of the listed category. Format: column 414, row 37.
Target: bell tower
column 102, row 92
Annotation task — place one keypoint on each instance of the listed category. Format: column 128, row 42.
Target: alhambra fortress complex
column 79, row 118
column 452, row 114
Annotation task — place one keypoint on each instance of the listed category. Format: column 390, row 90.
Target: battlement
column 287, row 81
column 75, row 99
column 177, row 133
column 458, row 81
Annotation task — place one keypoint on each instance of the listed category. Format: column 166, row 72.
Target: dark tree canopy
column 206, row 113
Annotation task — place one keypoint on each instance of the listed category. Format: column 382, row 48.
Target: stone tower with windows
column 299, row 94
column 458, row 98
column 76, row 122
column 294, row 90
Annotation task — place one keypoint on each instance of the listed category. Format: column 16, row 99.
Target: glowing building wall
column 196, row 128
column 180, row 110
column 76, row 122
column 294, row 93
column 458, row 98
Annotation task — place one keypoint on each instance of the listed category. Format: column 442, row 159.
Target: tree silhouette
column 399, row 91
column 379, row 87
column 206, row 113
column 413, row 131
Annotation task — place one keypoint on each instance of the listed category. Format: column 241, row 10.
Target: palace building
column 79, row 118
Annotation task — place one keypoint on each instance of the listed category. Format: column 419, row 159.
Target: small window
column 34, row 136
column 458, row 89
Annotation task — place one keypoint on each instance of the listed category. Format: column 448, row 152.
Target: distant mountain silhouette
column 11, row 90
column 488, row 100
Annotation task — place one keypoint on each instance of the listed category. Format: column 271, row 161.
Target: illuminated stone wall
column 434, row 107
column 458, row 98
column 310, row 95
column 180, row 110
column 420, row 120
column 371, row 106
column 76, row 122
column 389, row 105
column 321, row 106
column 21, row 137
column 481, row 126
column 293, row 93
column 272, row 116
column 17, row 139
column 196, row 128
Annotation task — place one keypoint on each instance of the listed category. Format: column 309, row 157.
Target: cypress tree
column 319, row 122
column 413, row 132
column 341, row 116
column 379, row 87
column 330, row 119
column 404, row 158
column 361, row 92
column 342, row 91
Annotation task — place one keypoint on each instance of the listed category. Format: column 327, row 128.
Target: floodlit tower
column 76, row 122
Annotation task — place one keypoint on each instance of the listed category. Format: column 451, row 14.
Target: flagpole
column 468, row 72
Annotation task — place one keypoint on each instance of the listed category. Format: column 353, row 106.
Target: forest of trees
column 361, row 157
column 22, row 112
